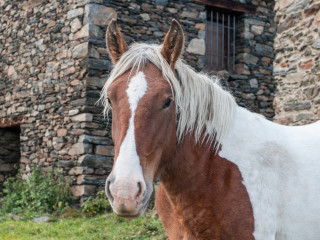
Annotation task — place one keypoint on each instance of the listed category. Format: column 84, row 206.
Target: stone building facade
column 52, row 67
column 53, row 64
column 297, row 62
column 252, row 82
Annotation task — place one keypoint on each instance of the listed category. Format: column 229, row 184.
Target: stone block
column 99, row 14
column 93, row 53
column 201, row 34
column 89, row 30
column 95, row 140
column 297, row 106
column 91, row 180
column 88, row 171
column 82, row 117
column 61, row 132
column 75, row 13
column 105, row 150
column 264, row 50
column 253, row 83
column 95, row 161
column 247, row 58
column 81, row 50
column 187, row 14
column 73, row 112
column 76, row 171
column 83, row 190
column 96, row 82
column 80, row 148
column 172, row 10
column 306, row 64
column 197, row 46
column 201, row 26
column 12, row 72
column 100, row 171
column 31, row 4
column 257, row 29
column 162, row 2
column 145, row 16
column 99, row 64
column 304, row 116
column 75, row 25
column 242, row 69
column 67, row 163
column 316, row 44
column 7, row 167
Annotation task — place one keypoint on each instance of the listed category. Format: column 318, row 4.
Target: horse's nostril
column 139, row 189
column 108, row 192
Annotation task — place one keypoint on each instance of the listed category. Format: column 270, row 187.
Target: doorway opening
column 9, row 153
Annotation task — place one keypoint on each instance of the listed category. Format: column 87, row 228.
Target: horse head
column 143, row 121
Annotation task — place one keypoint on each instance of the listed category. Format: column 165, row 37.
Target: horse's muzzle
column 127, row 198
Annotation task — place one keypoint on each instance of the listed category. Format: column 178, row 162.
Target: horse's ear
column 173, row 43
column 115, row 42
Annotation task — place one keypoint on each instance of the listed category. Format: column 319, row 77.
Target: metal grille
column 220, row 40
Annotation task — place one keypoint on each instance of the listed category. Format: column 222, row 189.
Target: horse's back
column 280, row 166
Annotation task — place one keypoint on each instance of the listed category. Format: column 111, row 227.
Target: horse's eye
column 167, row 102
column 109, row 102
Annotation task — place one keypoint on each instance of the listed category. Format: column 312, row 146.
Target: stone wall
column 252, row 83
column 297, row 63
column 47, row 82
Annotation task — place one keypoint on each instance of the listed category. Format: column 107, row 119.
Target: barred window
column 221, row 22
column 220, row 40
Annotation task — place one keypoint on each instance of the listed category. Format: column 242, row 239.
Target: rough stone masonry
column 297, row 62
column 50, row 78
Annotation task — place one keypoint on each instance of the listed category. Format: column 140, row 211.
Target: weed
column 36, row 195
column 97, row 204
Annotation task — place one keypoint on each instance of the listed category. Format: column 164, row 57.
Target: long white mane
column 203, row 108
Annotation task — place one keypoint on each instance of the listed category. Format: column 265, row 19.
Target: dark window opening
column 9, row 153
column 220, row 40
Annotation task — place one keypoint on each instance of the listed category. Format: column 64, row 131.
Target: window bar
column 211, row 38
column 222, row 32
column 206, row 40
column 234, row 43
column 217, row 50
column 228, row 42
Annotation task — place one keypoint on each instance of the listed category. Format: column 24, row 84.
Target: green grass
column 97, row 227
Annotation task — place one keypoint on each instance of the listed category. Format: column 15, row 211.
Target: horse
column 225, row 173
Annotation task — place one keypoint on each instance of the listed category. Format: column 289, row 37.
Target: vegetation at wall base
column 48, row 195
column 94, row 205
column 36, row 195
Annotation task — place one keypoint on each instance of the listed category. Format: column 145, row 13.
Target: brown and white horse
column 226, row 173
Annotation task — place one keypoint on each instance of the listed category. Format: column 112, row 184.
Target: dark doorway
column 9, row 153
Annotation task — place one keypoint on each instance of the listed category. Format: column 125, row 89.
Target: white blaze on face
column 128, row 162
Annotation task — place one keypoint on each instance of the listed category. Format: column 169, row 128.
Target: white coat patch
column 280, row 169
column 128, row 162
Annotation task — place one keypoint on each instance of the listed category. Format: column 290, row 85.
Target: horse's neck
column 203, row 188
column 194, row 164
column 189, row 163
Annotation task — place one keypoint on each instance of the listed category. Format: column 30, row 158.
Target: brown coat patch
column 201, row 196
